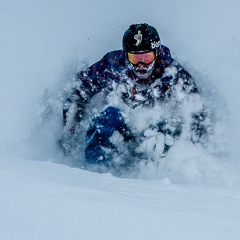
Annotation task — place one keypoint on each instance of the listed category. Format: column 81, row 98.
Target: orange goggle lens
column 135, row 58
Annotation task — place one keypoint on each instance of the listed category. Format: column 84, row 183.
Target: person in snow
column 141, row 77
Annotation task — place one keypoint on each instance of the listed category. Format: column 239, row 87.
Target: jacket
column 169, row 82
column 115, row 69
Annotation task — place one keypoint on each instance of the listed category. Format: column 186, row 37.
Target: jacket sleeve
column 85, row 85
column 200, row 124
column 195, row 117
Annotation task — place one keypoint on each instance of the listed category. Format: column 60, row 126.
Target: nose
column 141, row 64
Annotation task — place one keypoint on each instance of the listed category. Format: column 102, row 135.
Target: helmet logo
column 155, row 44
column 138, row 37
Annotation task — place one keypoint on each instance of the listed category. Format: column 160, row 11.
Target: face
column 142, row 63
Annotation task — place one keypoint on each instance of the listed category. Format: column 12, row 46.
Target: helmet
column 140, row 38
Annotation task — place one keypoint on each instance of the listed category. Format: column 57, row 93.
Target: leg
column 99, row 149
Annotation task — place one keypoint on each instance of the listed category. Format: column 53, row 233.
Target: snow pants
column 99, row 149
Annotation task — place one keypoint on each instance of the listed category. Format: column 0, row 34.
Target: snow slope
column 194, row 195
column 41, row 200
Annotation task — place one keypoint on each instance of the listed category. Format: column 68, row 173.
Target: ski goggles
column 146, row 58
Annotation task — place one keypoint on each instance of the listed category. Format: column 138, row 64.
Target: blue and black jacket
column 114, row 67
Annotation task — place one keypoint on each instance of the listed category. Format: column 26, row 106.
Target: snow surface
column 41, row 200
column 192, row 194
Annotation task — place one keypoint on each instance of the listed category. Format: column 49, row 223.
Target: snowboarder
column 141, row 76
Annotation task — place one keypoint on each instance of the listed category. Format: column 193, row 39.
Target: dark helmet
column 140, row 38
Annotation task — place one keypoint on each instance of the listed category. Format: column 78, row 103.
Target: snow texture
column 193, row 193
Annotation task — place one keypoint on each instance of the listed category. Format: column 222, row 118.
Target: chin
column 143, row 75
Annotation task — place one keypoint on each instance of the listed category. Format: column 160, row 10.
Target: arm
column 199, row 120
column 96, row 78
column 84, row 87
column 189, row 113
